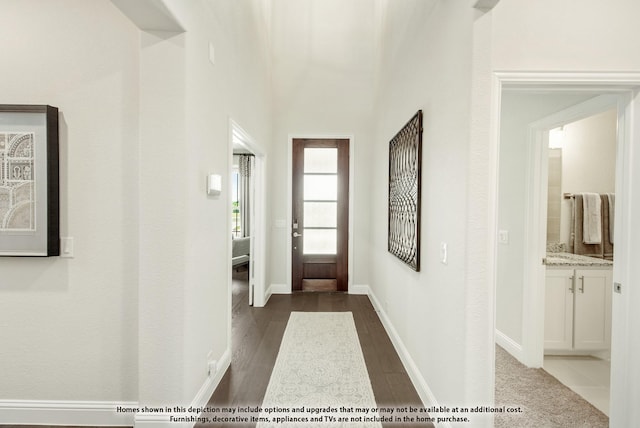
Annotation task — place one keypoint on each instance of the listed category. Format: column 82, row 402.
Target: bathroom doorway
column 581, row 164
column 521, row 232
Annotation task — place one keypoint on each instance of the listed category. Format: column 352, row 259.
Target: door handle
column 582, row 284
column 297, row 235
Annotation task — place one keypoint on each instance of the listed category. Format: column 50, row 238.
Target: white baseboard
column 200, row 400
column 211, row 383
column 267, row 296
column 509, row 345
column 41, row 412
column 425, row 393
column 156, row 421
column 101, row 413
column 279, row 289
column 359, row 289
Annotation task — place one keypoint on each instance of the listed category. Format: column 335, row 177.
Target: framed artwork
column 29, row 181
column 405, row 159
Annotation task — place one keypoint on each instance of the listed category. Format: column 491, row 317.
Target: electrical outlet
column 213, row 368
column 212, row 365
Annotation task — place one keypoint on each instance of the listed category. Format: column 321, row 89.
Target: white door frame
column 258, row 217
column 624, row 326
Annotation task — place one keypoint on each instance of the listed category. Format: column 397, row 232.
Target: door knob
column 297, row 235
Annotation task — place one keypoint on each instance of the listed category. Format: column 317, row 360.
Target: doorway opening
column 521, row 244
column 578, row 164
column 247, row 216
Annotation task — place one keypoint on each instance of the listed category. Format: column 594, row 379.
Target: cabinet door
column 558, row 309
column 592, row 328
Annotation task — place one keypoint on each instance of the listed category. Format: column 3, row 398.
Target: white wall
column 68, row 326
column 546, row 35
column 236, row 87
column 518, row 111
column 426, row 64
column 588, row 161
column 323, row 83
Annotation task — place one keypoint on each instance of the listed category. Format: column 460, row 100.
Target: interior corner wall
column 163, row 211
column 427, row 65
column 68, row 325
column 192, row 84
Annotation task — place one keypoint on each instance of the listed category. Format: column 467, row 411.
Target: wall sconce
column 214, row 184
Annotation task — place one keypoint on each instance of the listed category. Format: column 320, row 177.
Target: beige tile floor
column 587, row 376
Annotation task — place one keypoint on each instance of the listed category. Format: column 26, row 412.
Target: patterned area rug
column 320, row 378
column 544, row 400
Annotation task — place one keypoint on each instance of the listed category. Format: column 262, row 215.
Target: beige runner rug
column 320, row 378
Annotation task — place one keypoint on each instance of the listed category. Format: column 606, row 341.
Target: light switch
column 503, row 236
column 66, row 247
column 212, row 54
column 443, row 253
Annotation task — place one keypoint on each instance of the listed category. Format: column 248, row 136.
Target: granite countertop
column 569, row 259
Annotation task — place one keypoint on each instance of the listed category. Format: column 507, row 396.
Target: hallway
column 257, row 333
column 138, row 311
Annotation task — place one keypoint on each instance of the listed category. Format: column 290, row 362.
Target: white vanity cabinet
column 577, row 309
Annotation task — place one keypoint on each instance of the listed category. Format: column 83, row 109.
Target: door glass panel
column 320, row 214
column 321, row 160
column 319, row 241
column 320, row 187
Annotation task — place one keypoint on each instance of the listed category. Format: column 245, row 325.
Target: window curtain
column 245, row 166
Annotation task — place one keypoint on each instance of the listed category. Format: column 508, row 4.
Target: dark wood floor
column 256, row 337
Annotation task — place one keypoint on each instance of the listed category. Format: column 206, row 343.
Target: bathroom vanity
column 577, row 304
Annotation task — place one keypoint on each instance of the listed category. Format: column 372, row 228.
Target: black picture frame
column 405, row 171
column 29, row 181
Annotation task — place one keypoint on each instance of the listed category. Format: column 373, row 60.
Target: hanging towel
column 612, row 213
column 607, row 246
column 577, row 244
column 592, row 221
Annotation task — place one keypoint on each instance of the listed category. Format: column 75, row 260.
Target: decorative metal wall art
column 29, row 181
column 405, row 158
